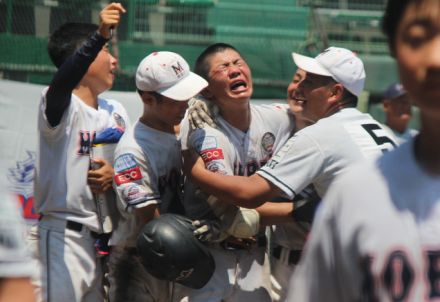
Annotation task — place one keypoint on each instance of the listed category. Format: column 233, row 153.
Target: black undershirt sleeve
column 69, row 75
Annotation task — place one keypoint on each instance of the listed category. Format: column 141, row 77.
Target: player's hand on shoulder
column 109, row 18
column 202, row 112
column 100, row 177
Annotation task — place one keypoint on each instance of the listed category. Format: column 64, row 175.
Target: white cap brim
column 310, row 65
column 185, row 89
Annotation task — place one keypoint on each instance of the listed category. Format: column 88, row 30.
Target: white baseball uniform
column 66, row 202
column 240, row 273
column 376, row 236
column 148, row 168
column 318, row 153
column 287, row 244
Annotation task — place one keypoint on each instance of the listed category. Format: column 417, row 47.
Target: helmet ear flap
column 169, row 251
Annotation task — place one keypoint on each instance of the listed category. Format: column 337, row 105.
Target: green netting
column 265, row 31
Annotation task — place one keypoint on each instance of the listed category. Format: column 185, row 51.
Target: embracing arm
column 275, row 213
column 243, row 191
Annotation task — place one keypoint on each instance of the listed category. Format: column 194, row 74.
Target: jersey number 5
column 380, row 140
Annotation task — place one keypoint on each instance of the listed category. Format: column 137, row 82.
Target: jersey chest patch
column 267, row 142
column 85, row 141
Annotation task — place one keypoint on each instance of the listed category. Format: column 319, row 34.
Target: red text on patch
column 128, row 176
column 212, row 154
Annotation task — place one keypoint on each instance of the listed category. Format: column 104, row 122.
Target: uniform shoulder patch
column 205, row 143
column 211, row 154
column 125, row 162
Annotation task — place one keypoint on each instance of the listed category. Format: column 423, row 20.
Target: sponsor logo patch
column 205, row 143
column 267, row 142
column 128, row 176
column 216, row 167
column 125, row 162
column 134, row 193
column 212, row 154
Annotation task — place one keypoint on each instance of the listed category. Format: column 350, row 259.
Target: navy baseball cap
column 394, row 91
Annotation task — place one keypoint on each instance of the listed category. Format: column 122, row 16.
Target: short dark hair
column 393, row 14
column 202, row 67
column 154, row 94
column 348, row 98
column 65, row 40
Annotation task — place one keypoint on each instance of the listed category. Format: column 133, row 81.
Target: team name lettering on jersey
column 398, row 276
column 279, row 155
column 86, row 139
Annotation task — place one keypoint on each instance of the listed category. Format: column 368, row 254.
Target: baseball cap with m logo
column 168, row 74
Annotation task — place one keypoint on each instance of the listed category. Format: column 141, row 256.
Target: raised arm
column 72, row 70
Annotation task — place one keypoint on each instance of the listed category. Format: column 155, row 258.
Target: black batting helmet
column 169, row 251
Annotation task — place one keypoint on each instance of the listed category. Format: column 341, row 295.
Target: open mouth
column 238, row 86
column 299, row 100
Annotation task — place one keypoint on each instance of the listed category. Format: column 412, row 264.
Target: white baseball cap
column 339, row 63
column 168, row 74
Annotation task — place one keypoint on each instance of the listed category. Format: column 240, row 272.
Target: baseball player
column 246, row 137
column 398, row 112
column 376, row 237
column 319, row 152
column 71, row 116
column 288, row 238
column 148, row 170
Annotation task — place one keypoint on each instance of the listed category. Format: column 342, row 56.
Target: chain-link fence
column 265, row 31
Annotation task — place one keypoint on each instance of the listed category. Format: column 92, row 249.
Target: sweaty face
column 295, row 106
column 230, row 78
column 313, row 94
column 418, row 55
column 101, row 73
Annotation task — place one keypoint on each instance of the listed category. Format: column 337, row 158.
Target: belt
column 233, row 243
column 78, row 227
column 294, row 255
